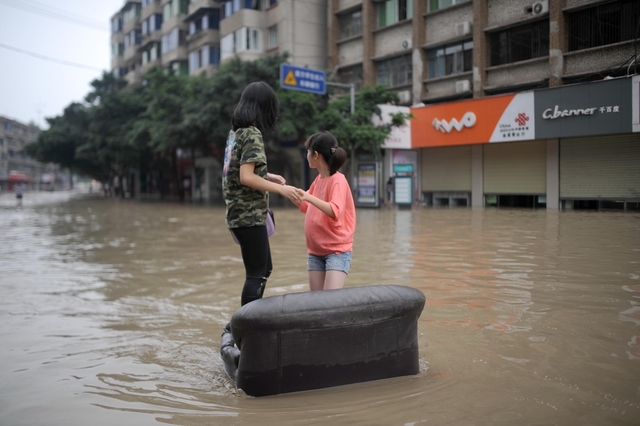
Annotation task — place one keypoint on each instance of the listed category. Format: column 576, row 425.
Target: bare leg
column 334, row 279
column 316, row 280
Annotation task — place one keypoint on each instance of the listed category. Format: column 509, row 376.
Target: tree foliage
column 119, row 127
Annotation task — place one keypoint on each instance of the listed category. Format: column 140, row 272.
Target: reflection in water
column 112, row 311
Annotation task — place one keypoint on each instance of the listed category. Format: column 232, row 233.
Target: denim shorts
column 330, row 262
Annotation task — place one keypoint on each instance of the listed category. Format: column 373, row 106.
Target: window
column 173, row 40
column 273, row 37
column 209, row 20
column 350, row 24
column 232, row 6
column 441, row 4
column 207, row 55
column 520, row 43
column 131, row 39
column 117, row 49
column 151, row 54
column 253, row 39
column 175, row 8
column 396, row 71
column 603, row 24
column 179, row 68
column 240, row 40
column 351, row 75
column 151, row 24
column 450, row 59
column 116, row 25
column 132, row 13
column 391, row 11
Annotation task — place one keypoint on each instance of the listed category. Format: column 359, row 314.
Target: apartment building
column 16, row 166
column 551, row 80
column 194, row 36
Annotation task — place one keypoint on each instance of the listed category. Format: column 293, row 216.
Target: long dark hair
column 258, row 106
column 325, row 144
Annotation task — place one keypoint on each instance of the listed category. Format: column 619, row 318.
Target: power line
column 55, row 13
column 46, row 58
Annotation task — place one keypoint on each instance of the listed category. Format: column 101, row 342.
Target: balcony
column 151, row 9
column 199, row 4
column 174, row 22
column 133, row 77
column 152, row 37
column 202, row 38
column 150, row 65
column 117, row 62
column 243, row 18
column 178, row 54
column 130, row 53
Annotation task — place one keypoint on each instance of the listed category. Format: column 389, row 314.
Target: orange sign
column 459, row 123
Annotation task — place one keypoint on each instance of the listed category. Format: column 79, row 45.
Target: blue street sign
column 302, row 79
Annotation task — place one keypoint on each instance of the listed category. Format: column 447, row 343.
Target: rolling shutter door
column 515, row 168
column 446, row 169
column 600, row 167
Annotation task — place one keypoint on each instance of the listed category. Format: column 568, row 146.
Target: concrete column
column 419, row 54
column 369, row 76
column 333, row 33
column 553, row 174
column 477, row 176
column 480, row 46
column 557, row 42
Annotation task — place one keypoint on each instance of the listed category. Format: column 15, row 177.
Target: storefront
column 566, row 147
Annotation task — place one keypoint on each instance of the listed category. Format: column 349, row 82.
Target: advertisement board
column 367, row 182
column 598, row 108
column 505, row 118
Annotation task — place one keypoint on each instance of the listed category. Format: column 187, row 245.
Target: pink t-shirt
column 325, row 234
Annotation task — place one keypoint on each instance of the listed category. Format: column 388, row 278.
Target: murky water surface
column 111, row 313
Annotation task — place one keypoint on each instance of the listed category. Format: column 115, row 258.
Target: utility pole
column 352, row 91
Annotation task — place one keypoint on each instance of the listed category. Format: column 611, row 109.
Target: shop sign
column 597, row 108
column 498, row 119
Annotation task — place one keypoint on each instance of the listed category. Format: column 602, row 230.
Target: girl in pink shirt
column 330, row 220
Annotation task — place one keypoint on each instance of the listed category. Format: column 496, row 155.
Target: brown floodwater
column 111, row 313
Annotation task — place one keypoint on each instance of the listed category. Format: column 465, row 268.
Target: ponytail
column 326, row 145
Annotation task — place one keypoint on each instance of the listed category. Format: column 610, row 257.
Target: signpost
column 314, row 81
column 302, row 79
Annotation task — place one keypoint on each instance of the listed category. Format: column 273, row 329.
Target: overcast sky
column 50, row 50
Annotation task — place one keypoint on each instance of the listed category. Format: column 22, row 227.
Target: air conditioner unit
column 540, row 7
column 406, row 43
column 462, row 86
column 463, row 28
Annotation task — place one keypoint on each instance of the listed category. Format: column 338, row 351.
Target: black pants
column 256, row 255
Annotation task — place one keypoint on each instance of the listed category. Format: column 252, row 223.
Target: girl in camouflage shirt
column 246, row 181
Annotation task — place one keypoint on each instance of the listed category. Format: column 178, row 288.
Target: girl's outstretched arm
column 322, row 205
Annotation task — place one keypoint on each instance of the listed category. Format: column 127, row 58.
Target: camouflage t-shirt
column 245, row 206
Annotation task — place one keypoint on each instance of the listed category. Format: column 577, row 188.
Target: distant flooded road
column 111, row 313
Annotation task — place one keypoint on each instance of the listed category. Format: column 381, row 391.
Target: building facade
column 441, row 54
column 192, row 37
column 16, row 167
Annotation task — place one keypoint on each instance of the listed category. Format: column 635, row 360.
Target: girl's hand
column 276, row 179
column 291, row 192
column 301, row 194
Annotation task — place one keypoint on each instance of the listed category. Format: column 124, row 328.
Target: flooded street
column 111, row 313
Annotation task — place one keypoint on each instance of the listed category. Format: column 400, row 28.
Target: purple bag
column 271, row 226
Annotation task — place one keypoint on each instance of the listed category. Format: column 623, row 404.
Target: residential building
column 540, row 63
column 193, row 36
column 16, row 166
